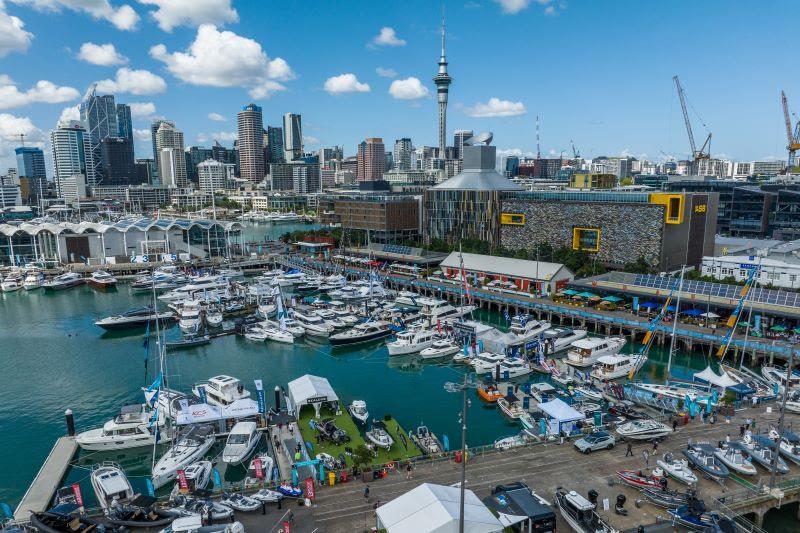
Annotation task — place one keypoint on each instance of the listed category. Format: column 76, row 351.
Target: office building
column 213, row 175
column 171, row 159
column 541, row 168
column 292, row 137
column 371, row 159
column 388, row 217
column 330, row 157
column 194, row 156
column 512, row 166
column 250, row 124
column 275, row 152
column 99, row 117
column 153, row 130
column 768, row 168
column 402, row 154
column 117, row 161
column 229, row 156
column 295, row 175
column 31, row 172
column 10, row 196
column 145, row 171
column 138, row 198
column 124, row 122
column 72, row 153
column 459, row 138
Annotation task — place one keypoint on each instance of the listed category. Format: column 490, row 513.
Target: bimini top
column 124, row 225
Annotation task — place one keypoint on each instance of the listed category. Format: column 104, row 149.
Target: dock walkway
column 39, row 495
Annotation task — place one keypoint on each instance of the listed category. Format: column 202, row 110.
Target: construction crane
column 575, row 153
column 793, row 137
column 705, row 150
column 538, row 150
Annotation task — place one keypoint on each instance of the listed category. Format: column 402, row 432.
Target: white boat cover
column 712, row 377
column 435, row 508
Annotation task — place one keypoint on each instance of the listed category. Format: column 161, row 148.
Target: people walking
column 629, row 450
column 366, row 492
column 408, row 471
column 646, row 457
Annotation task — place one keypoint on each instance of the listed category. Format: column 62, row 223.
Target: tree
column 362, row 456
column 640, row 266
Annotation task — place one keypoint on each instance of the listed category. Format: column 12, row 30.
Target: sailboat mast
column 675, row 322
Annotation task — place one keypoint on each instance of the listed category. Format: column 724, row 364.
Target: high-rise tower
column 250, row 122
column 442, row 81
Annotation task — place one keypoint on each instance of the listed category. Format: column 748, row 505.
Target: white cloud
column 512, row 7
column 142, row 135
column 173, row 13
column 11, row 126
column 228, row 136
column 104, row 55
column 496, row 108
column 408, row 89
column 386, row 72
column 388, row 37
column 345, row 83
column 142, row 109
column 44, row 91
column 122, row 17
column 134, row 82
column 70, row 113
column 514, row 152
column 13, row 37
column 308, row 139
column 216, row 117
column 225, row 59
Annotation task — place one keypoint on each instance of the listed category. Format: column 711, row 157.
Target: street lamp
column 462, row 387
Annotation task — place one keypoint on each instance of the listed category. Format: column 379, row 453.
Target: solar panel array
column 719, row 290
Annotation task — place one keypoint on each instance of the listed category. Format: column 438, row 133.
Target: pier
column 39, row 495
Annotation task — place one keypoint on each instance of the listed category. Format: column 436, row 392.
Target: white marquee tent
column 718, row 380
column 310, row 390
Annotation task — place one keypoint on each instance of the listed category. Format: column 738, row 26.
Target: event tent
column 310, row 390
column 709, row 376
column 562, row 416
column 435, row 509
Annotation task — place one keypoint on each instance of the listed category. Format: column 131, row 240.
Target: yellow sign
column 701, row 208
column 514, row 219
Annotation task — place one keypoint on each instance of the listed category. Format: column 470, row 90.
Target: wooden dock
column 40, row 494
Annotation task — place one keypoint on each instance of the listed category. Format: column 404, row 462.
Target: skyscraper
column 371, row 160
column 292, row 137
column 31, row 172
column 442, row 81
column 275, row 145
column 72, row 154
column 99, row 117
column 117, row 161
column 402, row 153
column 251, row 143
column 194, row 156
column 171, row 160
column 153, row 130
column 459, row 138
column 124, row 123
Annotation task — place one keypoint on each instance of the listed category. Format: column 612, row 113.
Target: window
column 586, row 239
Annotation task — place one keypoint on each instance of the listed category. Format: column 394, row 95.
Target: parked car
column 595, row 441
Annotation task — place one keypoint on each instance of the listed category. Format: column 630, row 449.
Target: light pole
column 462, row 387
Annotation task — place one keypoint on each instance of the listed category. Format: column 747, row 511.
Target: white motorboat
column 331, row 318
column 580, row 513
column 260, row 469
column 266, row 308
column 764, row 451
column 542, row 392
column 378, row 436
column 314, row 324
column 186, row 450
column 524, row 329
column 276, row 334
column 292, row 277
column 610, row 367
column 487, row 361
column 777, row 375
column 129, row 429
column 208, row 285
column 33, row 280
column 239, row 502
column 643, row 430
column 511, row 368
column 358, row 410
column 674, row 391
column 197, row 477
column 588, row 391
column 242, row 440
column 434, row 310
column 214, row 316
column 193, row 523
column 64, row 281
column 286, row 324
column 111, row 485
column 221, row 390
column 102, row 280
column 344, row 315
column 789, row 445
column 735, row 459
column 412, row 340
column 13, row 281
column 511, row 409
column 360, row 333
column 677, row 469
column 268, row 496
column 189, row 315
column 135, row 318
column 440, row 348
column 562, row 338
column 586, row 352
column 522, row 438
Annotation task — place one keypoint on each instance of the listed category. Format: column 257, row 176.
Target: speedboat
column 358, row 410
column 33, row 280
column 102, row 280
column 268, row 496
column 588, row 391
column 214, row 316
column 677, row 469
column 64, row 281
column 434, row 310
column 440, row 348
column 735, row 458
column 777, row 375
column 513, row 367
column 523, row 330
column 286, row 324
column 610, row 367
column 314, row 324
column 412, row 340
column 694, row 517
column 239, row 502
column 763, row 451
column 208, row 285
column 287, row 279
column 702, row 456
column 789, row 445
column 643, row 430
column 586, row 352
column 562, row 338
column 378, row 436
column 511, row 409
column 189, row 315
column 520, row 439
column 360, row 333
column 221, row 390
column 580, row 513
column 427, row 441
column 186, row 506
column 188, row 449
column 197, row 476
column 487, row 361
column 489, row 394
column 260, row 469
column 637, row 479
column 13, row 281
column 131, row 428
column 242, row 440
column 111, row 486
column 135, row 318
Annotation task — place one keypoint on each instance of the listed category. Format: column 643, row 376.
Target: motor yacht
column 221, row 390
column 333, row 282
column 525, row 329
column 186, row 450
column 344, row 315
column 242, row 441
column 331, row 318
column 562, row 338
column 312, row 323
column 292, row 277
column 586, row 352
column 130, row 428
column 542, row 392
column 33, row 280
column 259, row 469
column 702, row 456
column 510, row 408
column 610, row 367
column 735, row 458
column 580, row 513
column 13, row 281
column 440, row 348
column 378, row 436
column 102, row 280
column 209, row 285
column 286, row 324
column 360, row 333
column 159, row 281
column 189, row 315
column 266, row 308
column 411, row 341
column 777, row 375
column 512, row 367
column 487, row 361
column 64, row 281
column 264, row 332
column 674, row 392
column 358, row 410
column 135, row 318
column 111, row 486
column 214, row 316
column 434, row 310
column 643, row 430
column 197, row 477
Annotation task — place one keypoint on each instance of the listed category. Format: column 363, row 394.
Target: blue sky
column 596, row 71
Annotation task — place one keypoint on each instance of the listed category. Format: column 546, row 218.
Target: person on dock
column 366, row 492
column 408, row 470
column 646, row 458
column 655, row 447
column 629, row 450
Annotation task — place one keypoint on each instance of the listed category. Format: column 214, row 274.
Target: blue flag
column 153, row 418
column 151, row 490
column 217, row 479
column 201, row 393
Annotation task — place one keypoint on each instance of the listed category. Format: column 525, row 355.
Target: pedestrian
column 755, row 401
column 655, row 447
column 408, row 471
column 366, row 492
column 291, row 429
column 646, row 457
column 728, row 438
column 741, row 431
column 629, row 450
column 280, row 426
column 675, row 425
column 753, row 426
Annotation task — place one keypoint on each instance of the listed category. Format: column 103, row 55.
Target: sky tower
column 442, row 81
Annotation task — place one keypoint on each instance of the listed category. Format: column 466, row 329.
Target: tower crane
column 793, row 137
column 575, row 153
column 705, row 151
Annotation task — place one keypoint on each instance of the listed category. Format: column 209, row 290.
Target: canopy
column 777, row 327
column 586, row 294
column 649, row 305
column 709, row 376
column 612, row 299
column 435, row 508
column 559, row 410
column 692, row 312
column 671, row 308
column 569, row 292
column 310, row 390
column 710, row 315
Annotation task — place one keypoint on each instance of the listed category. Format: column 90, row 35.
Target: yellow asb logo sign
column 700, row 208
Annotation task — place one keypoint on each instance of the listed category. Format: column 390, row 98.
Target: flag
column 506, row 315
column 217, row 478
column 153, row 418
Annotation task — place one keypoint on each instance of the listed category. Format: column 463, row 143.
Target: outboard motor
column 593, row 497
column 619, row 508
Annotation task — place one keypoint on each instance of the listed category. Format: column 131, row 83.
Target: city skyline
column 377, row 81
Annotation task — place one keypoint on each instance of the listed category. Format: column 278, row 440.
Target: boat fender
column 390, row 465
column 638, row 503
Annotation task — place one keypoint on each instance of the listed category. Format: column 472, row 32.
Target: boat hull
column 338, row 341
